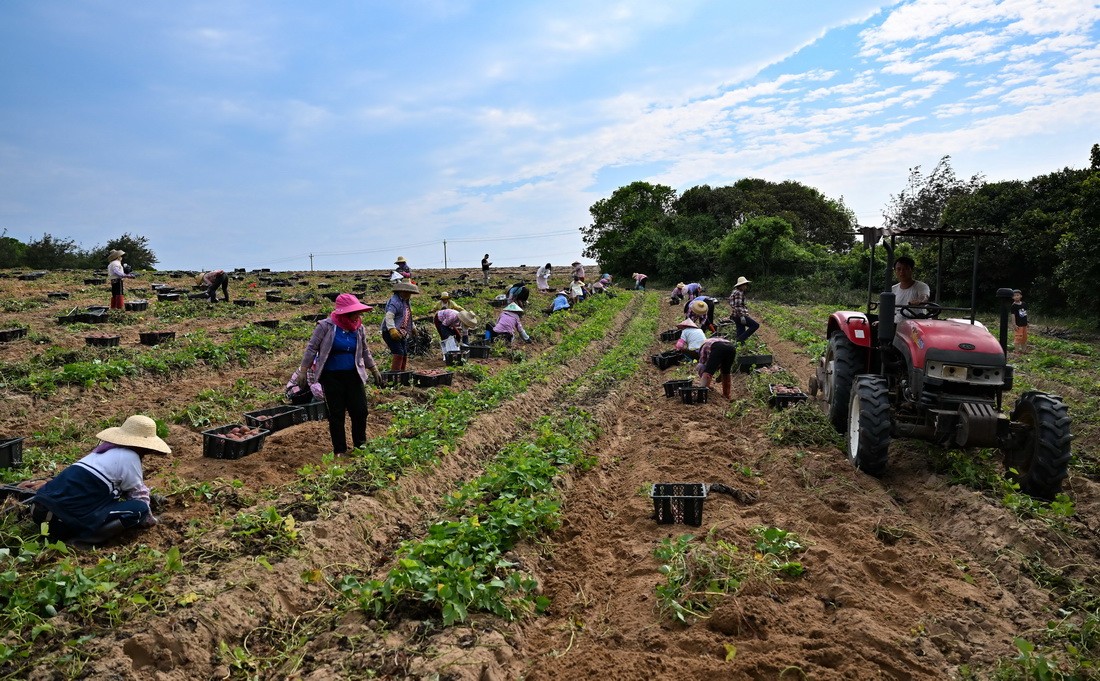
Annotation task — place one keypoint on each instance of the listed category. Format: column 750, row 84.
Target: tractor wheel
column 869, row 424
column 1041, row 457
column 841, row 360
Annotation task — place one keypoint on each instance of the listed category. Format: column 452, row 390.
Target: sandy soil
column 906, row 577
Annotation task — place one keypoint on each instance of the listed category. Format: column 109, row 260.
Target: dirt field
column 904, row 577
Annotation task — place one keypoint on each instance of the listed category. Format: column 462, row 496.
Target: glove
column 527, row 340
column 395, row 334
column 744, row 321
column 378, row 380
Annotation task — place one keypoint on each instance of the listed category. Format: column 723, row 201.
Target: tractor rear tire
column 841, row 360
column 869, row 424
column 1041, row 459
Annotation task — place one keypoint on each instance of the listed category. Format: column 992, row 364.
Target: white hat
column 136, row 431
column 512, row 307
column 687, row 324
column 740, row 281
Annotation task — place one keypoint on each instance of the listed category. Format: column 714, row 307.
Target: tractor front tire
column 1041, row 458
column 869, row 424
column 841, row 361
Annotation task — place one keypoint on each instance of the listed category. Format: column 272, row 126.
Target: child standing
column 1019, row 321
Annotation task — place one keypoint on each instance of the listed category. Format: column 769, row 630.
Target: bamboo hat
column 137, row 431
column 405, row 287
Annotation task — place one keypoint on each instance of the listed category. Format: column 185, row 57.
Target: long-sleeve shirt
column 398, row 316
column 692, row 290
column 509, row 322
column 578, row 271
column 704, row 352
column 449, row 319
column 737, row 302
column 320, row 346
column 542, row 277
column 561, row 302
column 209, row 277
column 115, row 271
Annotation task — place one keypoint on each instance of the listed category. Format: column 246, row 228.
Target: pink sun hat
column 346, row 303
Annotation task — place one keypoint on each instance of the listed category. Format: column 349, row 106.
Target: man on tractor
column 908, row 291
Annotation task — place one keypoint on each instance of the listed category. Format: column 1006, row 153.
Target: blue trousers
column 747, row 329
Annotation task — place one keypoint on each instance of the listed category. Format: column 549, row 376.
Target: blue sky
column 240, row 133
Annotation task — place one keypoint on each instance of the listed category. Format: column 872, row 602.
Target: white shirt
column 693, row 338
column 916, row 294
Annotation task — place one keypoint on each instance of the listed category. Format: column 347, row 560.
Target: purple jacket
column 320, row 344
column 509, row 323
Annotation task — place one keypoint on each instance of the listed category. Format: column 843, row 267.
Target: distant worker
column 397, row 326
column 639, row 280
column 701, row 311
column 577, row 291
column 485, row 268
column 677, row 294
column 561, row 302
column 401, row 266
column 518, row 293
column 716, row 355
column 691, row 338
column 509, row 325
column 908, row 291
column 453, row 326
column 446, row 303
column 578, row 269
column 212, row 280
column 1019, row 321
column 602, row 284
column 542, row 278
column 746, row 325
column 116, row 273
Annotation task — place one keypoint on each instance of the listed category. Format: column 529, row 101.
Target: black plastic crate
column 392, row 379
column 426, row 380
column 156, row 337
column 678, row 502
column 244, row 303
column 94, row 282
column 58, row 295
column 331, row 295
column 667, row 359
column 274, row 298
column 11, row 452
column 103, row 341
column 268, row 323
column 670, row 335
column 136, row 305
column 167, row 297
column 12, row 334
column 315, row 411
column 694, row 394
column 275, row 419
column 215, row 444
column 455, row 358
column 746, row 363
column 782, row 400
column 313, row 317
column 672, row 388
column 477, row 351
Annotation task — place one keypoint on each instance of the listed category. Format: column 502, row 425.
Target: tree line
column 52, row 253
column 1043, row 236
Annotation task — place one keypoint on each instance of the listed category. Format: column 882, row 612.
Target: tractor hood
column 948, row 341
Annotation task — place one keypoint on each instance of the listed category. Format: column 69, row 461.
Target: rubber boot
column 404, row 363
column 726, row 387
column 117, row 303
column 395, row 362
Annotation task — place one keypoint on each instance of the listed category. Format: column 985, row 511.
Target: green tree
column 759, row 245
column 138, row 254
column 49, row 253
column 1079, row 252
column 921, row 204
column 616, row 220
column 12, row 251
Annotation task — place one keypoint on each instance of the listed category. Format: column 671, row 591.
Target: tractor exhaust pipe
column 1005, row 296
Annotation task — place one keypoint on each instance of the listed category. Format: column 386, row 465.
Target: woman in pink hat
column 339, row 347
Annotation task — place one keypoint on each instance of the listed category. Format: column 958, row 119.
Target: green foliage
column 138, row 254
column 266, row 532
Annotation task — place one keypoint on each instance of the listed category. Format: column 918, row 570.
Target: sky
column 241, row 133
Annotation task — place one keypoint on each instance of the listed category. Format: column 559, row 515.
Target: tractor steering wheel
column 926, row 311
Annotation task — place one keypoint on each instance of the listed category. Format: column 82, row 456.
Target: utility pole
column 444, row 254
column 310, row 262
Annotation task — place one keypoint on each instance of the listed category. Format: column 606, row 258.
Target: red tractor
column 915, row 375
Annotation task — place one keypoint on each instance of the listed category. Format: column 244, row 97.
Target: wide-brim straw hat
column 699, row 306
column 681, row 285
column 575, row 263
column 198, row 278
column 512, row 307
column 687, row 324
column 742, row 280
column 137, row 431
column 468, row 319
column 400, row 259
column 445, row 295
column 405, row 287
column 115, row 255
column 562, row 293
column 347, row 303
